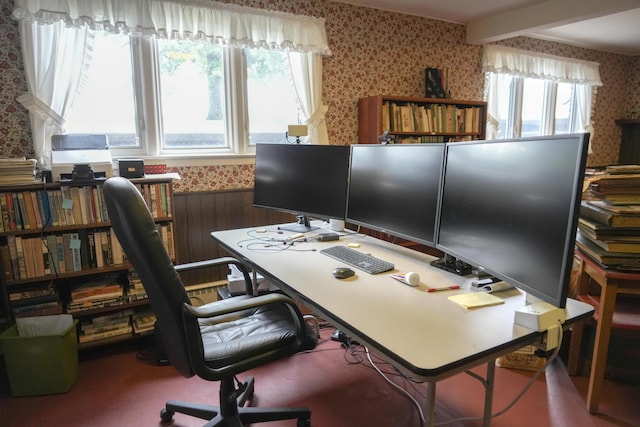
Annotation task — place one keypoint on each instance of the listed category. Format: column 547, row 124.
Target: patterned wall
column 373, row 52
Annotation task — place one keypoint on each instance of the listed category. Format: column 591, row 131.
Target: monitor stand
column 302, row 226
column 453, row 265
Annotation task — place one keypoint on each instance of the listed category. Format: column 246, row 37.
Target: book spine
column 103, row 335
column 13, row 253
column 22, row 264
column 5, row 262
column 76, row 245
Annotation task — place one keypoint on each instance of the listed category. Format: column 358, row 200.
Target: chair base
column 233, row 414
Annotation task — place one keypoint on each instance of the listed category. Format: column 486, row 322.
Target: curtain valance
column 516, row 62
column 197, row 20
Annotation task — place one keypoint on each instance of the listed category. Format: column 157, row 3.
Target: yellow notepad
column 476, row 299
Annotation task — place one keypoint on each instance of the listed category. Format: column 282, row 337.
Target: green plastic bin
column 46, row 364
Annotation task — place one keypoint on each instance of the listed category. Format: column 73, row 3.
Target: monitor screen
column 302, row 179
column 511, row 208
column 394, row 188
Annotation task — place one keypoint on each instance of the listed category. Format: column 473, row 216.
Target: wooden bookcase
column 630, row 142
column 415, row 120
column 56, row 237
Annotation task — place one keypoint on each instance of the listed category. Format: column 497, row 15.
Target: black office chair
column 215, row 341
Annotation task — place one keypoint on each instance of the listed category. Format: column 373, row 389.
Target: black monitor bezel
column 303, row 213
column 559, row 298
column 385, row 228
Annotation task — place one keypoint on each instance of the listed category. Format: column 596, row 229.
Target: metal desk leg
column 488, row 393
column 430, row 413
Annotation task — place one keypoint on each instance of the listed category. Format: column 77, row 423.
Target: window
column 176, row 97
column 534, row 107
column 532, row 94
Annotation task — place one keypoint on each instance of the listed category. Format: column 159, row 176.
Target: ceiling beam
column 540, row 16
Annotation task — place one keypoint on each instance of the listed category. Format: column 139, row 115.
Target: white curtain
column 53, row 61
column 209, row 20
column 54, row 34
column 306, row 70
column 499, row 60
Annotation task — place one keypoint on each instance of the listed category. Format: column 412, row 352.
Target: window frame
column 149, row 127
column 513, row 120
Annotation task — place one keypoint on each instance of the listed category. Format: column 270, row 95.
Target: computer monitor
column 394, row 189
column 511, row 207
column 307, row 180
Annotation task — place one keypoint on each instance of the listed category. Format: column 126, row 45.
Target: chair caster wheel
column 304, row 422
column 165, row 415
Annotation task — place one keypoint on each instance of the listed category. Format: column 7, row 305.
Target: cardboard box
column 37, row 365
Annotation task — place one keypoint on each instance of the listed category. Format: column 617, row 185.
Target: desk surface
column 422, row 332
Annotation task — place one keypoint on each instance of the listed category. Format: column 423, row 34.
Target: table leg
column 574, row 347
column 488, row 393
column 601, row 345
column 430, row 413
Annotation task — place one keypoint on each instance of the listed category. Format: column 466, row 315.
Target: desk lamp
column 297, row 131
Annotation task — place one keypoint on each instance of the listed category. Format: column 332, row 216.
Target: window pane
column 191, row 94
column 505, row 105
column 564, row 102
column 532, row 107
column 272, row 101
column 105, row 102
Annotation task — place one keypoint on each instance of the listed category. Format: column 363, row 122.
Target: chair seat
column 253, row 332
column 627, row 312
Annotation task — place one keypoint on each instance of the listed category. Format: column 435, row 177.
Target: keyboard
column 354, row 258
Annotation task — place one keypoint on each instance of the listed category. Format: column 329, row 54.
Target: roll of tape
column 412, row 278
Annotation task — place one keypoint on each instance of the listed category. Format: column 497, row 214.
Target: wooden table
column 612, row 283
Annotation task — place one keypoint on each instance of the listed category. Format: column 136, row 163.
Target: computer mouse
column 343, row 273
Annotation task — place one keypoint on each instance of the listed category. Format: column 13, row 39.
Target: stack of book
column 42, row 301
column 609, row 224
column 17, row 171
column 143, row 321
column 104, row 292
column 106, row 326
column 136, row 291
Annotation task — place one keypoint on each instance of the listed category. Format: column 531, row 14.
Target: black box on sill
column 131, row 168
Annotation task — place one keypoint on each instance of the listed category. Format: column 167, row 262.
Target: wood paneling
column 197, row 214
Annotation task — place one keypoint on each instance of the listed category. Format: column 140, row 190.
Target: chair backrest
column 136, row 230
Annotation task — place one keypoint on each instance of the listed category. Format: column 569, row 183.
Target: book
column 5, row 262
column 596, row 230
column 614, row 260
column 607, row 217
column 621, row 245
column 13, row 254
column 616, row 208
column 36, row 208
column 96, row 288
column 22, row 265
column 90, row 328
column 106, row 334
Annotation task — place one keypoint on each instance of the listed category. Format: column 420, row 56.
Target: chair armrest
column 215, row 262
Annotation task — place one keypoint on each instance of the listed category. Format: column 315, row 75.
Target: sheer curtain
column 53, row 62
column 306, row 70
column 521, row 63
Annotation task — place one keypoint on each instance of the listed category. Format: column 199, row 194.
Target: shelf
column 42, row 266
column 420, row 119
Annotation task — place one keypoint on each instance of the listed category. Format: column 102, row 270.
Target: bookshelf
column 417, row 120
column 58, row 254
column 630, row 141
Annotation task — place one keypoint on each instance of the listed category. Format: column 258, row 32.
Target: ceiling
column 605, row 25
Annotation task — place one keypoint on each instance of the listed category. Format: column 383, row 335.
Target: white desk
column 422, row 333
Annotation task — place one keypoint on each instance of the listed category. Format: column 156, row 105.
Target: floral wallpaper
column 373, row 52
